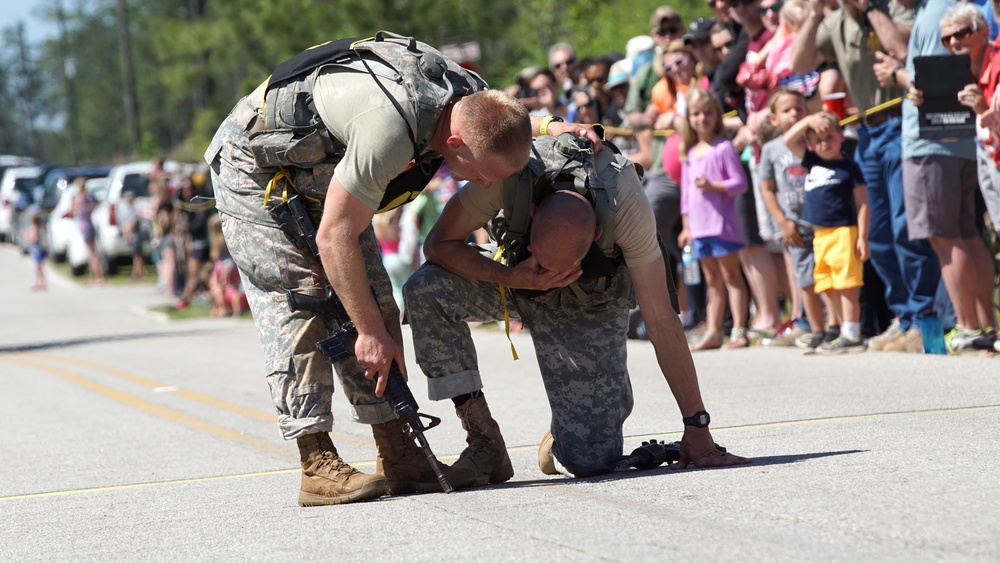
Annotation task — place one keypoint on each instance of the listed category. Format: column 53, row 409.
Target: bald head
column 562, row 231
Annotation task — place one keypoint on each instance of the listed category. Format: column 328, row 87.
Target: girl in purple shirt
column 711, row 177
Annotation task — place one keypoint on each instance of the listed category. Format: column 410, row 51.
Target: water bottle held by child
column 692, row 275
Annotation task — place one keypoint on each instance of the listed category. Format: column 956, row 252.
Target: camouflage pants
column 581, row 351
column 299, row 375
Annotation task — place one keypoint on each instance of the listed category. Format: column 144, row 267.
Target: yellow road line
column 512, row 449
column 154, row 409
column 190, row 395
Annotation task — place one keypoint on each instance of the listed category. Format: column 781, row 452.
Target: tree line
column 128, row 79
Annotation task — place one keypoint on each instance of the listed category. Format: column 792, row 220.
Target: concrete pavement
column 128, row 438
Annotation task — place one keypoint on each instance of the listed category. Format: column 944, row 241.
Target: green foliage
column 193, row 59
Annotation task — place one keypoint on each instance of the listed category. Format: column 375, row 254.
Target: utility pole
column 128, row 78
column 69, row 80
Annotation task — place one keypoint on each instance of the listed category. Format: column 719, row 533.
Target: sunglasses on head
column 960, row 35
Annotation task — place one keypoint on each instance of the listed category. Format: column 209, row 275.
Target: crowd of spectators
column 931, row 206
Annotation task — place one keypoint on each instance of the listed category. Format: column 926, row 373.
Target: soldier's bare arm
column 344, row 219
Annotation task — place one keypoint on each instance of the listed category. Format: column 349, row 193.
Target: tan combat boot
column 485, row 461
column 326, row 479
column 547, row 461
column 404, row 465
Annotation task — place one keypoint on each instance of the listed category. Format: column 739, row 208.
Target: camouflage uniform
column 299, row 375
column 581, row 351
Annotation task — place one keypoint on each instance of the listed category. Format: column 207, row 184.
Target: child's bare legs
column 813, row 306
column 715, row 303
column 138, row 266
column 96, row 270
column 39, row 277
column 794, row 294
column 763, row 284
column 730, row 267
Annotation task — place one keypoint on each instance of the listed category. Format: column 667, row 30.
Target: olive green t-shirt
column 360, row 116
column 635, row 227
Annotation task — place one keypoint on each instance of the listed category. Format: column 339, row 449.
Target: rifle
column 653, row 454
column 295, row 222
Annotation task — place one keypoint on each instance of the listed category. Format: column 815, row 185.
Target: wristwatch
column 699, row 419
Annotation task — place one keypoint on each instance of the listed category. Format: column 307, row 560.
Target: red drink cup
column 834, row 103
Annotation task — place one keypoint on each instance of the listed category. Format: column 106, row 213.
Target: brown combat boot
column 326, row 479
column 485, row 461
column 404, row 465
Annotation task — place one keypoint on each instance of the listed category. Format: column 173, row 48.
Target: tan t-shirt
column 842, row 40
column 635, row 226
column 360, row 116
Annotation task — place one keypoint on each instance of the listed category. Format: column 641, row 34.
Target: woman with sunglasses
column 939, row 189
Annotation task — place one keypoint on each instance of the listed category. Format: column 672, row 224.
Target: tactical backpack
column 559, row 163
column 294, row 135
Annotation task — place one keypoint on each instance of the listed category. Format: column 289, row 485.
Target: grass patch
column 123, row 276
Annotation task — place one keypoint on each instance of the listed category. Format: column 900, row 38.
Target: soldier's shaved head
column 562, row 231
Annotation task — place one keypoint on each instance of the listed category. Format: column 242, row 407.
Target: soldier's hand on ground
column 529, row 275
column 698, row 449
column 375, row 353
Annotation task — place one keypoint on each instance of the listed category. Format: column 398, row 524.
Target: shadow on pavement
column 93, row 340
column 664, row 470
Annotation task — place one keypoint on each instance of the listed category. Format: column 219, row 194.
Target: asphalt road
column 128, row 438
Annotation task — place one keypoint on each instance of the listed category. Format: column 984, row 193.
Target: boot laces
column 332, row 464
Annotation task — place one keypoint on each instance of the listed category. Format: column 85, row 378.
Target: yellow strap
column 506, row 320
column 873, row 110
column 284, row 175
column 498, row 257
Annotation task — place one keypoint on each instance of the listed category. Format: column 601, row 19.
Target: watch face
column 700, row 420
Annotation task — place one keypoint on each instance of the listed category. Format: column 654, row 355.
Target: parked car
column 46, row 193
column 15, row 193
column 64, row 240
column 127, row 178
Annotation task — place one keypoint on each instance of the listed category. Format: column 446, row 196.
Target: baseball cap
column 699, row 30
column 618, row 74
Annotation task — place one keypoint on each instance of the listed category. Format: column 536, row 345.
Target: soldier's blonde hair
column 495, row 123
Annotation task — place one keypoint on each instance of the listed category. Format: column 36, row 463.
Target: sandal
column 738, row 338
column 710, row 341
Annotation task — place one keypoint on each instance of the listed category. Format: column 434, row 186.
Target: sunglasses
column 961, row 35
column 735, row 3
column 661, row 31
column 775, row 8
column 676, row 64
column 725, row 46
column 566, row 63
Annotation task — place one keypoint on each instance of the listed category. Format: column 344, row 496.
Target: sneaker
column 832, row 333
column 892, row 333
column 911, row 341
column 842, row 345
column 810, row 342
column 987, row 341
column 959, row 339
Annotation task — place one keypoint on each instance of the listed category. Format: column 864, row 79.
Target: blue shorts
column 714, row 247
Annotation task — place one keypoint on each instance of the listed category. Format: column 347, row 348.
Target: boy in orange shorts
column 836, row 205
